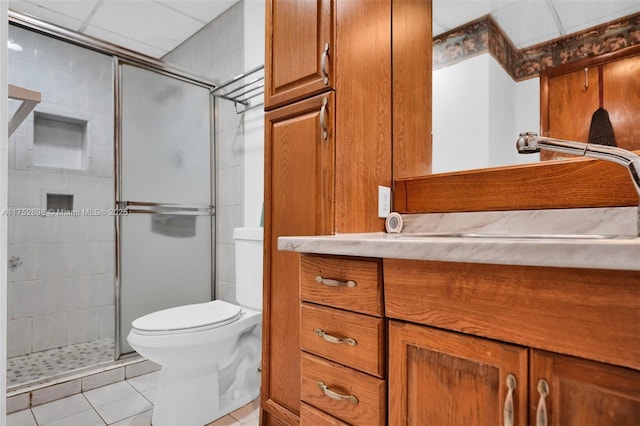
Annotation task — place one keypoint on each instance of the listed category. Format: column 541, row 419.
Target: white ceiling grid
column 155, row 27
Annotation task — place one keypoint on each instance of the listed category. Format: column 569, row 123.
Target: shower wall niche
column 61, row 165
column 59, row 142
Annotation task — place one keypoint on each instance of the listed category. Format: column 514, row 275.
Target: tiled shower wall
column 61, row 268
column 216, row 52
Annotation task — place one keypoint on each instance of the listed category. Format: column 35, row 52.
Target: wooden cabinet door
column 445, row 378
column 621, row 99
column 573, row 98
column 296, row 62
column 582, row 392
column 298, row 201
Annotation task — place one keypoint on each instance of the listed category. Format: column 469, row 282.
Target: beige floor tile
column 21, row 418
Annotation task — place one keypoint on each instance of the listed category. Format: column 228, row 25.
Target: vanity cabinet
column 473, row 343
column 343, row 337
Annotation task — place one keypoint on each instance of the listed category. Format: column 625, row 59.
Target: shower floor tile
column 42, row 365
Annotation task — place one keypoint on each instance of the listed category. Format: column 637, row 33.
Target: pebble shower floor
column 37, row 366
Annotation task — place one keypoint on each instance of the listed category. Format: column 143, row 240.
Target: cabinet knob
column 334, row 395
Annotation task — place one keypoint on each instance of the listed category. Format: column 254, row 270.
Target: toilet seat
column 187, row 318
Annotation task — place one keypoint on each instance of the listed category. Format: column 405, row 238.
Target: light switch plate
column 384, row 201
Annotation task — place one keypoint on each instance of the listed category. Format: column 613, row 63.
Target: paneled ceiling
column 152, row 27
column 155, row 27
column 529, row 22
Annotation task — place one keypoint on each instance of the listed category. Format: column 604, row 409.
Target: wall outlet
column 384, row 201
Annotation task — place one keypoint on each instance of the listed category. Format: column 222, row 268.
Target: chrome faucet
column 530, row 142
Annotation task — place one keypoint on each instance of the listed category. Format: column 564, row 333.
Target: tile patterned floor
column 46, row 364
column 126, row 403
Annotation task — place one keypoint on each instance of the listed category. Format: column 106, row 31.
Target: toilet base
column 191, row 397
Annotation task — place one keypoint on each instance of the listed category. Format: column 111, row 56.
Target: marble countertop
column 611, row 253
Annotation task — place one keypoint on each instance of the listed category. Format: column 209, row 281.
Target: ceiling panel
column 123, row 41
column 45, row 14
column 449, row 14
column 579, row 15
column 527, row 22
column 203, row 11
column 166, row 30
column 152, row 27
column 76, row 9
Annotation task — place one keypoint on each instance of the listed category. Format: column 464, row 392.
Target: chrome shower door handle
column 323, row 118
column 323, row 64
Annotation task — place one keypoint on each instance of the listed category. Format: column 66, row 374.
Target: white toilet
column 209, row 352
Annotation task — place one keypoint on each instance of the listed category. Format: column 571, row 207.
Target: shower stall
column 111, row 179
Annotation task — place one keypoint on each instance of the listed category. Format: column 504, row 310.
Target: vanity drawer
column 365, row 348
column 311, row 416
column 367, row 406
column 324, row 280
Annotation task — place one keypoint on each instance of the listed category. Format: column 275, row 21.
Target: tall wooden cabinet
column 300, row 164
column 331, row 92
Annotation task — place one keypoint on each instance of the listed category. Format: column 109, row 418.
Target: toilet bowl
column 209, row 352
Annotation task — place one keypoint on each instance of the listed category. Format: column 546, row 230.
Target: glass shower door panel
column 165, row 159
column 166, row 154
column 165, row 262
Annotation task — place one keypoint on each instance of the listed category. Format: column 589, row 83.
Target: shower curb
column 31, row 395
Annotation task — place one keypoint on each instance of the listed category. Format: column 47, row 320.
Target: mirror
column 487, row 84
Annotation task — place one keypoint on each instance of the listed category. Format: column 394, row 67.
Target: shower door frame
column 120, row 56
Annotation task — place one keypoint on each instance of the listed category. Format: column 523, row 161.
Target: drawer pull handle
column 541, row 413
column 334, row 395
column 323, row 64
column 508, row 402
column 329, row 338
column 335, row 283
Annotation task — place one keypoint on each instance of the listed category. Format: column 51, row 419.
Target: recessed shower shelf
column 30, row 98
column 243, row 90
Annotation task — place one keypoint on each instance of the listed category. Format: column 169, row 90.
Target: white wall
column 478, row 111
column 254, row 33
column 461, row 115
column 3, row 206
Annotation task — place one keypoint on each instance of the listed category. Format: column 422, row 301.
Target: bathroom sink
column 516, row 236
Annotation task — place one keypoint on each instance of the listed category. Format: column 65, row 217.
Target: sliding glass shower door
column 165, row 230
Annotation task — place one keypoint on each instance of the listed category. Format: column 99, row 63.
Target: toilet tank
column 249, row 254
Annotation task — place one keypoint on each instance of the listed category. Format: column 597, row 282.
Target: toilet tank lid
column 253, row 234
column 187, row 316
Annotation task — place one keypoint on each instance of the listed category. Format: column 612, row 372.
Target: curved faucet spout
column 530, row 142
